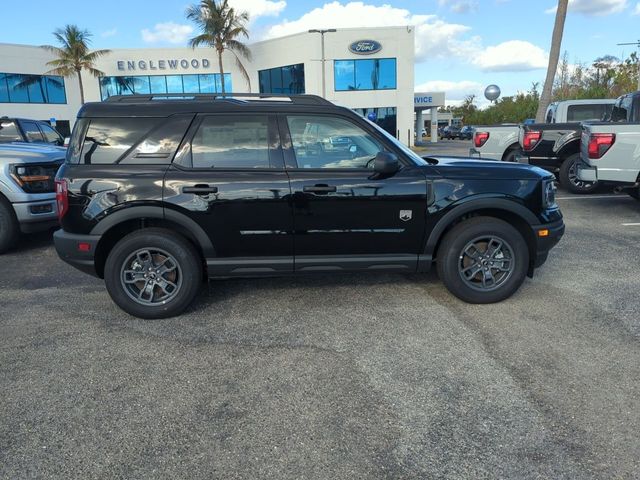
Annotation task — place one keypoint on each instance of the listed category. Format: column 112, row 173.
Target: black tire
column 452, row 261
column 9, row 227
column 568, row 179
column 165, row 249
column 510, row 156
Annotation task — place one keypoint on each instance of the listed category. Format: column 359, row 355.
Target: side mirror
column 66, row 141
column 386, row 163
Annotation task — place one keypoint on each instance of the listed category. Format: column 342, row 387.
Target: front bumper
column 545, row 243
column 36, row 215
column 77, row 250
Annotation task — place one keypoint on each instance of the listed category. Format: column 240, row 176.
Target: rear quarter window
column 126, row 141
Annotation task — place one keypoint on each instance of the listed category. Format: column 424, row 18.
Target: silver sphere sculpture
column 492, row 92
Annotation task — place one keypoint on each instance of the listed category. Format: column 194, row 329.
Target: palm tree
column 221, row 25
column 74, row 55
column 554, row 56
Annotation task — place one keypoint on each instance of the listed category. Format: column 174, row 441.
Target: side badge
column 405, row 215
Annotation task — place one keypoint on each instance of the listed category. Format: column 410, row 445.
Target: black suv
column 158, row 193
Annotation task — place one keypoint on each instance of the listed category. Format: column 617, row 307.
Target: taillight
column 599, row 143
column 531, row 139
column 62, row 197
column 480, row 138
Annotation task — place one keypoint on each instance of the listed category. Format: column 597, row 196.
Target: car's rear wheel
column 153, row 273
column 483, row 260
column 569, row 176
column 511, row 155
column 9, row 228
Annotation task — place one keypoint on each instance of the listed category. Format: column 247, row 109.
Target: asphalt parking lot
column 330, row 377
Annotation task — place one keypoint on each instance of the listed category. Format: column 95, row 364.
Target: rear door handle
column 200, row 189
column 319, row 188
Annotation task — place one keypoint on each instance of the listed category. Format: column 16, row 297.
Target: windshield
column 410, row 153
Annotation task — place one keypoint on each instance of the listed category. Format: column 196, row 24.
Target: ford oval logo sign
column 365, row 47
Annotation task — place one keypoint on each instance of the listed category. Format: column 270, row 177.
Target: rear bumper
column 545, row 243
column 587, row 173
column 68, row 249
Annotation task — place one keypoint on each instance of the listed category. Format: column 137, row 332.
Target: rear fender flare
column 159, row 213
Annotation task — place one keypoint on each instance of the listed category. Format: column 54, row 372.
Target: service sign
column 365, row 47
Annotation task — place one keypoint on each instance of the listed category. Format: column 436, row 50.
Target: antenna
column 637, row 44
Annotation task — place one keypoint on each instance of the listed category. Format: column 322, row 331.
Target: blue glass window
column 17, row 92
column 158, row 84
column 4, row 89
column 28, row 88
column 288, row 79
column 190, row 84
column 174, row 84
column 55, row 89
column 161, row 84
column 366, row 74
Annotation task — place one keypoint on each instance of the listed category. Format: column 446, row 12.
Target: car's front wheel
column 483, row 260
column 9, row 229
column 569, row 176
column 153, row 273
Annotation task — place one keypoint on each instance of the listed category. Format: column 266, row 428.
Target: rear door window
column 50, row 134
column 31, row 131
column 9, row 132
column 231, row 141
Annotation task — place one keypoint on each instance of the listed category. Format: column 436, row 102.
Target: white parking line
column 590, row 197
column 631, row 224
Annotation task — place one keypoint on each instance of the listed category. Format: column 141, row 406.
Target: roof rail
column 302, row 99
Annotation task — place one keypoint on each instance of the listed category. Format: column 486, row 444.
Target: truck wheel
column 569, row 176
column 483, row 260
column 9, row 228
column 510, row 156
column 153, row 273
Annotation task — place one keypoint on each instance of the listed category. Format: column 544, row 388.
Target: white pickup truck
column 500, row 142
column 610, row 152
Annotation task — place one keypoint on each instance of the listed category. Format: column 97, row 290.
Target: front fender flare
column 471, row 206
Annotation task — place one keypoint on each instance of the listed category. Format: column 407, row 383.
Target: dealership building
column 370, row 70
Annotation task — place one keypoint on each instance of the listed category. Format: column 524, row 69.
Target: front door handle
column 319, row 188
column 200, row 189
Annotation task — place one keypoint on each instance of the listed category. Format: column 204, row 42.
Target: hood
column 30, row 153
column 465, row 167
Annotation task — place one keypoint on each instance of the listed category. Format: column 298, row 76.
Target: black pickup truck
column 556, row 146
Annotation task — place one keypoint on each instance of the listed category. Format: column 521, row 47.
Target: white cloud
column 259, row 8
column 109, row 33
column 637, row 9
column 460, row 6
column 593, row 7
column 511, row 56
column 168, row 32
column 434, row 37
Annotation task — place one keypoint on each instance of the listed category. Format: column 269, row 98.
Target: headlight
column 548, row 194
column 34, row 178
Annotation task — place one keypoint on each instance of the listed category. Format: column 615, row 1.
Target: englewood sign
column 365, row 47
column 169, row 64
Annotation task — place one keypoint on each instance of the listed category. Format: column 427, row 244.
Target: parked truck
column 27, row 196
column 548, row 145
column 610, row 151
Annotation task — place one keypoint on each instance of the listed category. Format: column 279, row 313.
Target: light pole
column 322, row 32
column 637, row 44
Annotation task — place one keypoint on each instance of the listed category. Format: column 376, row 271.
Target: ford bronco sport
column 158, row 193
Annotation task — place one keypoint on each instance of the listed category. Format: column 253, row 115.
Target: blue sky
column 461, row 45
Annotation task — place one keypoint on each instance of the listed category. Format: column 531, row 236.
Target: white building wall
column 397, row 42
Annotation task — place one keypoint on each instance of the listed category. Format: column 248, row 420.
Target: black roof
column 164, row 105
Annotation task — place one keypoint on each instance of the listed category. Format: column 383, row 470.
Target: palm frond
column 243, row 70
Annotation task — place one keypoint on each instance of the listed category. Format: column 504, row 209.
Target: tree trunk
column 221, row 70
column 554, row 55
column 79, row 72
